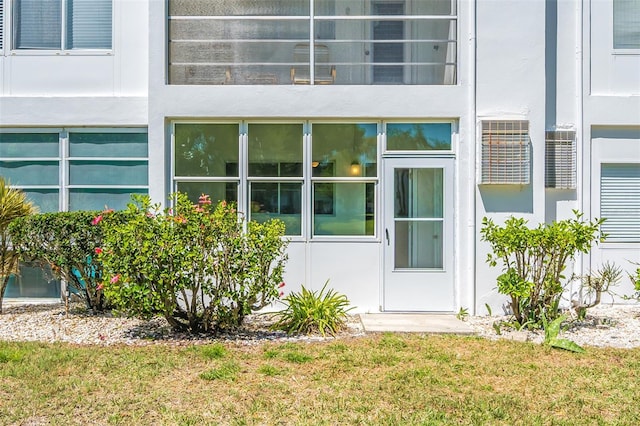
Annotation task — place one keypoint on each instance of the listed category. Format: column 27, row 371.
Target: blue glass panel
column 30, row 172
column 20, row 145
column 108, row 144
column 419, row 136
column 108, row 172
column 32, row 282
column 99, row 199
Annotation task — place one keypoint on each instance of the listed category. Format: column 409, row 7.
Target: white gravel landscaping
column 605, row 326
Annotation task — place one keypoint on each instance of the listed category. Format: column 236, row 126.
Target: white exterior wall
column 353, row 266
column 510, row 85
column 98, row 88
column 565, row 77
column 610, row 126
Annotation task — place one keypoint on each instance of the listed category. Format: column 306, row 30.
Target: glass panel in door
column 418, row 218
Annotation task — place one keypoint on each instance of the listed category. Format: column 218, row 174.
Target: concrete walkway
column 415, row 323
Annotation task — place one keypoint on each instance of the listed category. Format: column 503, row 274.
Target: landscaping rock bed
column 604, row 326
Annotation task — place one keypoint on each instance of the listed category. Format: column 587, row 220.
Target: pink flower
column 281, row 294
column 204, row 199
column 100, row 287
column 282, row 284
column 115, row 279
column 106, row 210
column 98, row 250
column 96, row 220
column 198, row 209
column 180, row 219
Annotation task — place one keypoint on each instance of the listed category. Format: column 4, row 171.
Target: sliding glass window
column 344, row 164
column 276, row 174
column 206, row 160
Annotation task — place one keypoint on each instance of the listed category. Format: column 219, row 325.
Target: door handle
column 386, row 233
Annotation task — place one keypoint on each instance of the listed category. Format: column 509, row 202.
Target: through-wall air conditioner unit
column 506, row 152
column 560, row 159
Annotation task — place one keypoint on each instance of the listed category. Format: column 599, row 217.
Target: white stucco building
column 381, row 132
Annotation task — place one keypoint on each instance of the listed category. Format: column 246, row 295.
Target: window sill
column 624, row 52
column 36, row 52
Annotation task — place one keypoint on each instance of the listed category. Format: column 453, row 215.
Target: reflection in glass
column 30, row 172
column 47, row 200
column 418, row 244
column 271, row 200
column 108, row 144
column 275, row 150
column 349, row 209
column 32, row 281
column 101, row 198
column 338, row 148
column 419, row 137
column 39, row 145
column 206, row 150
column 418, row 193
column 217, row 191
column 95, row 172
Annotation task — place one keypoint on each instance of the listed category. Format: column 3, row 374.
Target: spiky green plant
column 13, row 204
column 323, row 312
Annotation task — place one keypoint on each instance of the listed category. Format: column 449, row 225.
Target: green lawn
column 378, row 379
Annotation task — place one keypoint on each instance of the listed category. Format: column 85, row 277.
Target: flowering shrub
column 193, row 264
column 65, row 242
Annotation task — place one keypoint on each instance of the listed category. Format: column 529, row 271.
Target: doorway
column 418, row 235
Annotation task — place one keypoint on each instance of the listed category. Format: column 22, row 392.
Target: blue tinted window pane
column 217, row 191
column 108, row 173
column 47, row 200
column 32, row 282
column 30, row 172
column 419, row 137
column 99, row 199
column 108, row 145
column 20, row 145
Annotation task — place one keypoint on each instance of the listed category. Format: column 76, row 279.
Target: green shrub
column 66, row 242
column 323, row 311
column 193, row 264
column 534, row 261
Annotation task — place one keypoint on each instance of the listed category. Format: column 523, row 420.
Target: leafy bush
column 534, row 261
column 13, row 205
column 323, row 311
column 65, row 242
column 193, row 264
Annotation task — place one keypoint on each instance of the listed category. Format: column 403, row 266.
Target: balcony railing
column 342, row 42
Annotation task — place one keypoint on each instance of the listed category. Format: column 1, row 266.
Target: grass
column 378, row 379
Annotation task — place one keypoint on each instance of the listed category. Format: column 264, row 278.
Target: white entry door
column 418, row 235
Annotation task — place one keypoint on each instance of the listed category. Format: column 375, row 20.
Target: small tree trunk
column 3, row 286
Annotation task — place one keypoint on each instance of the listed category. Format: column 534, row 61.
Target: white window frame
column 614, row 50
column 63, row 187
column 10, row 26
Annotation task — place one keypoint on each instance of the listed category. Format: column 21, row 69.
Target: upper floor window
column 312, row 42
column 626, row 24
column 62, row 24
